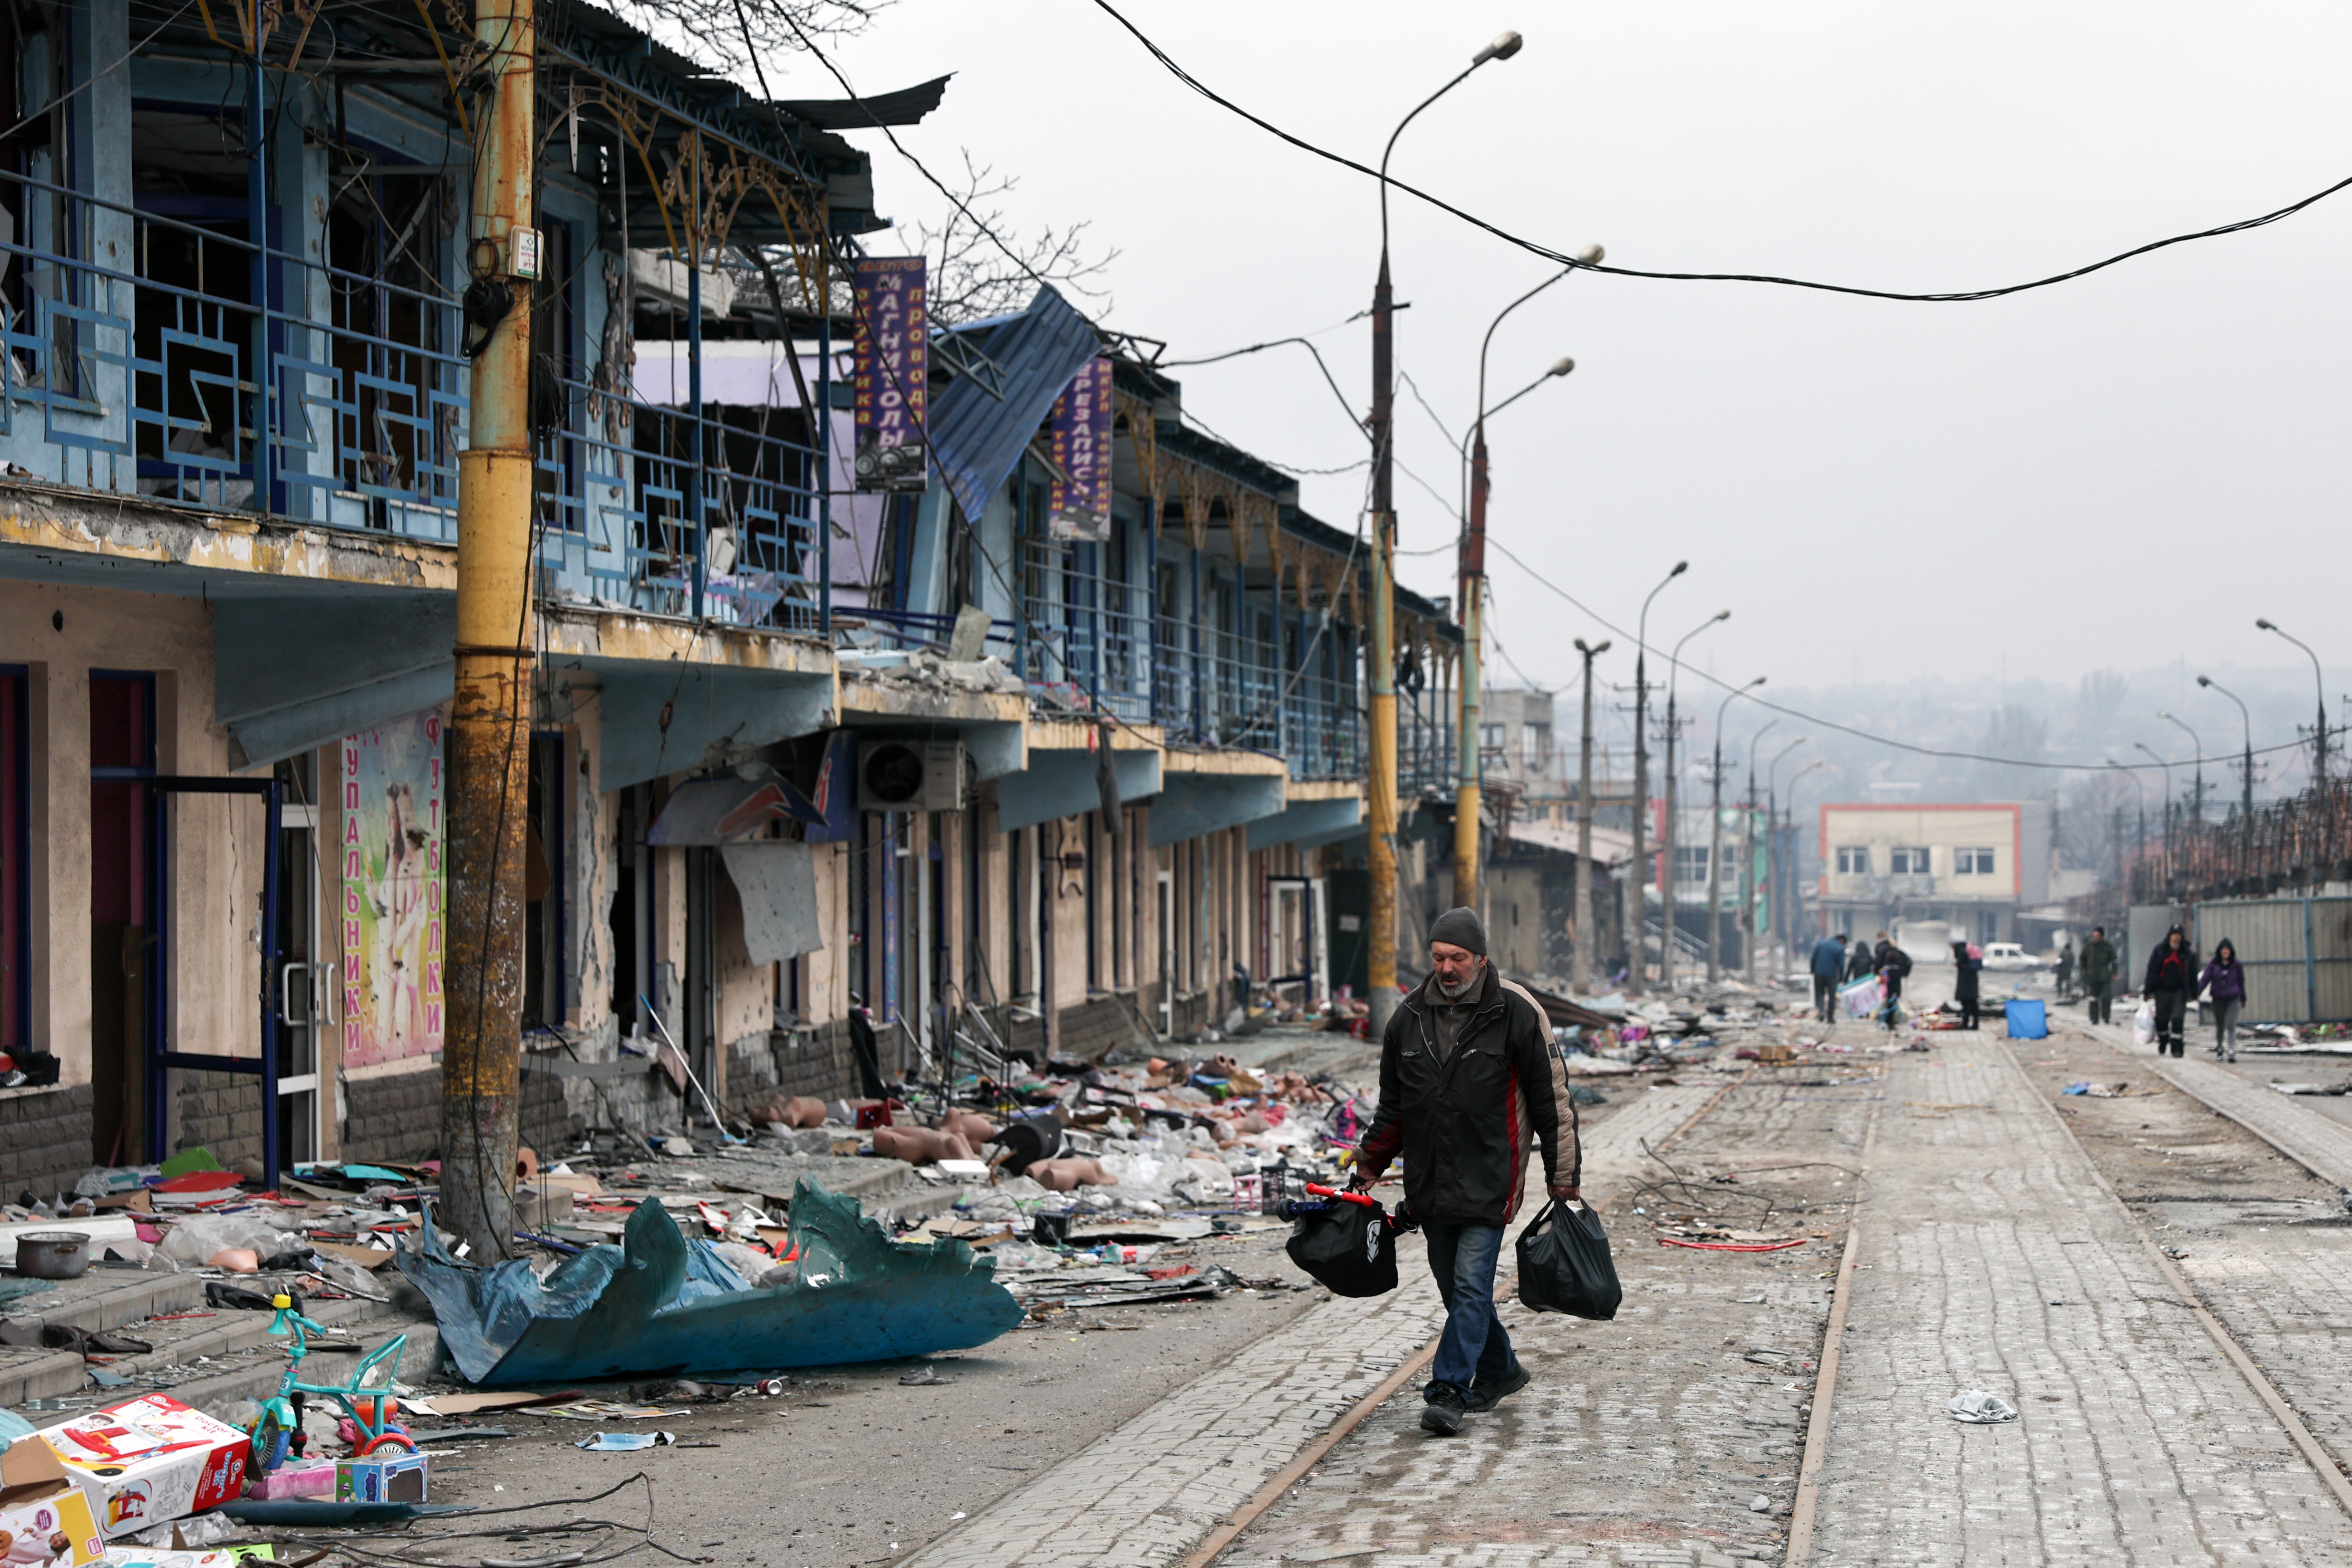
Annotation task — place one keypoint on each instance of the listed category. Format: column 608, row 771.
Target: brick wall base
column 220, row 1111
column 44, row 1141
column 398, row 1119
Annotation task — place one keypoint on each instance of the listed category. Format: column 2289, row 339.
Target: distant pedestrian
column 1861, row 963
column 2099, row 977
column 2225, row 980
column 2064, row 978
column 2171, row 982
column 1894, row 963
column 1829, row 962
column 1968, row 960
column 1463, row 1128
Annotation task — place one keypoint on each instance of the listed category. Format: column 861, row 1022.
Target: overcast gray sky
column 2123, row 470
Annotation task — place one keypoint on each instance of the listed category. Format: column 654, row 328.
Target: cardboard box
column 148, row 1460
column 384, row 1477
column 41, row 1508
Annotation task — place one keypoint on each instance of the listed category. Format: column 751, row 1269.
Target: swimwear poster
column 393, row 786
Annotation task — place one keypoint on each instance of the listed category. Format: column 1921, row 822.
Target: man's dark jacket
column 1463, row 1126
column 2171, row 968
column 2098, row 963
column 1829, row 958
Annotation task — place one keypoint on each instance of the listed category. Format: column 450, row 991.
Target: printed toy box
column 147, row 1460
column 44, row 1519
column 388, row 1477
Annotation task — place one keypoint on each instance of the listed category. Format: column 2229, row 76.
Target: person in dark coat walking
column 2171, row 982
column 2063, row 980
column 1970, row 962
column 2225, row 978
column 1829, row 962
column 2099, row 961
column 1894, row 963
column 1861, row 963
column 1467, row 1079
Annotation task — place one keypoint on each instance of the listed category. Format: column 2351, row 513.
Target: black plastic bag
column 1564, row 1265
column 1348, row 1247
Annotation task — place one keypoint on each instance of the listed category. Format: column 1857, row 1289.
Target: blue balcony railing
column 137, row 361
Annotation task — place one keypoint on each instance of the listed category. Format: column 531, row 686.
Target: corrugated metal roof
column 979, row 431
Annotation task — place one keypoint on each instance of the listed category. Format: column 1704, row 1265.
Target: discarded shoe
column 1443, row 1409
column 1485, row 1396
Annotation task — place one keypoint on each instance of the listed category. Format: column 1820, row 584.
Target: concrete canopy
column 1322, row 821
column 1194, row 804
column 302, row 671
column 1059, row 783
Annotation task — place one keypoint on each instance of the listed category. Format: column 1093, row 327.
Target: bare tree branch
column 708, row 30
column 973, row 279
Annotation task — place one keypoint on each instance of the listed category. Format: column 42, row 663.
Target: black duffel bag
column 1348, row 1247
column 1564, row 1265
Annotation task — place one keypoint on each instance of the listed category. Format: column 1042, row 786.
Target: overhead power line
column 1565, row 259
column 1762, row 701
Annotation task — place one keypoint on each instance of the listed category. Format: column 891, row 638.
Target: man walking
column 2099, row 977
column 1467, row 1078
column 1829, row 962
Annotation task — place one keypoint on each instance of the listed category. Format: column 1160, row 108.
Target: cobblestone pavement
column 1993, row 1258
column 2305, row 1130
column 2266, row 1244
column 1151, row 1491
column 1647, row 1440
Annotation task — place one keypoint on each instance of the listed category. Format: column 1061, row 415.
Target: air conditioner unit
column 910, row 775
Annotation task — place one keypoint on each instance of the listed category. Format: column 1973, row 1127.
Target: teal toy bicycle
column 367, row 1398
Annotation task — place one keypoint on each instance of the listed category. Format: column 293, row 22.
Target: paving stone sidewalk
column 1993, row 1258
column 1149, row 1492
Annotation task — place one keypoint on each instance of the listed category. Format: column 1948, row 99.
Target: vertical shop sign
column 891, row 373
column 394, row 784
column 1079, row 506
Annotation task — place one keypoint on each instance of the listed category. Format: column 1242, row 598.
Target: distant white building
column 1974, row 864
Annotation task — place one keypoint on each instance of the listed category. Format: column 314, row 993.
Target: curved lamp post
column 1382, row 779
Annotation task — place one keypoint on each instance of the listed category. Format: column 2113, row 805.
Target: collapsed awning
column 980, row 426
column 660, row 1305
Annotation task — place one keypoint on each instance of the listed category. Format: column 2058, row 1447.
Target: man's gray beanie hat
column 1460, row 928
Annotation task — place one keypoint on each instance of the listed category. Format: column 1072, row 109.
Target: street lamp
column 1673, row 785
column 1637, row 907
column 1796, row 893
column 2139, row 785
column 2197, row 806
column 1473, row 588
column 2246, row 801
column 1715, row 841
column 1583, row 976
column 2319, row 734
column 2161, row 762
column 1381, row 782
column 1748, row 871
column 1772, row 841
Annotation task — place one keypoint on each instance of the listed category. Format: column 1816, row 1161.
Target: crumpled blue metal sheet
column 977, row 431
column 647, row 1307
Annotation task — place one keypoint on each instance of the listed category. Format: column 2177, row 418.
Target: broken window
column 1908, row 860
column 1853, row 860
column 1972, row 863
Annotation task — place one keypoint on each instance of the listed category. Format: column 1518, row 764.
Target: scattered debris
column 1978, row 1408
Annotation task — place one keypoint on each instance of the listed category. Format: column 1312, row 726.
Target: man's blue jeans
column 1474, row 1345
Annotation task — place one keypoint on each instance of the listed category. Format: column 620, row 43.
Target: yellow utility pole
column 481, row 1058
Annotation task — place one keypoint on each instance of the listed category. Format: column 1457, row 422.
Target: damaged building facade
column 810, row 766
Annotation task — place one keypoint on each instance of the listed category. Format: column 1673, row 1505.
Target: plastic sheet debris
column 626, row 1442
column 657, row 1303
column 928, row 1377
column 1978, row 1408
